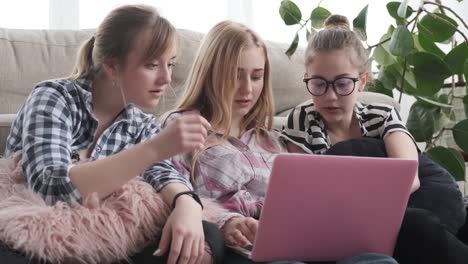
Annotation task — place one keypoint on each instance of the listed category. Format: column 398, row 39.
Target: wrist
column 152, row 149
column 186, row 197
column 231, row 220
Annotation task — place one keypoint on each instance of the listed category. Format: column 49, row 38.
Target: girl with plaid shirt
column 95, row 116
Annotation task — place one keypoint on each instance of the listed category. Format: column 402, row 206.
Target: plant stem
column 380, row 43
column 434, row 139
column 402, row 81
column 452, row 91
column 406, row 60
column 447, row 8
column 446, row 22
column 319, row 3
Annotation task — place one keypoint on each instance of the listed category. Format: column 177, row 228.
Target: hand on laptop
column 240, row 231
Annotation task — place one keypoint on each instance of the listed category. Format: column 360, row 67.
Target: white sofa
column 30, row 56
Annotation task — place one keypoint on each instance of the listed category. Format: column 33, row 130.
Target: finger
column 198, row 119
column 245, row 230
column 252, row 224
column 195, row 253
column 204, row 249
column 205, row 123
column 164, row 242
column 231, row 240
column 196, row 129
column 240, row 238
column 186, row 252
column 176, row 247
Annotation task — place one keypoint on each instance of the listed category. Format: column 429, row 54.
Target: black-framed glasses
column 318, row 86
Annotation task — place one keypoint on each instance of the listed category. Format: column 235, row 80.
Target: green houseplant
column 410, row 58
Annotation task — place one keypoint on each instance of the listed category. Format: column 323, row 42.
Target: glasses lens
column 344, row 86
column 317, row 86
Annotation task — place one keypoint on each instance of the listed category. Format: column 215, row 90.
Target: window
column 24, row 14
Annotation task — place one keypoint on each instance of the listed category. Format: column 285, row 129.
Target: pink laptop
column 321, row 208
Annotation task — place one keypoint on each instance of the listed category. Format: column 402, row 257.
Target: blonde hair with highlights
column 212, row 81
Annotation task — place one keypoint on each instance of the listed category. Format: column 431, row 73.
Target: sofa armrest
column 5, row 124
column 6, row 120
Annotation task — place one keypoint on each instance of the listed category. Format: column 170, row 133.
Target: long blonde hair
column 115, row 38
column 211, row 84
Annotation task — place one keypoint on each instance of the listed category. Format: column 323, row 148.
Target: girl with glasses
column 335, row 122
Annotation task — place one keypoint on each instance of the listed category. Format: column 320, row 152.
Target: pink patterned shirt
column 234, row 173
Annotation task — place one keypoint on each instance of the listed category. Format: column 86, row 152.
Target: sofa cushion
column 30, row 56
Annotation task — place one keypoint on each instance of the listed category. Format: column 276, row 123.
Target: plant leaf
column 290, row 13
column 456, row 58
column 292, row 48
column 465, row 103
column 392, row 8
column 387, row 80
column 360, row 23
column 430, row 72
column 433, row 102
column 429, row 46
column 465, row 72
column 421, row 122
column 396, row 70
column 435, row 29
column 318, row 16
column 460, row 134
column 401, row 43
column 377, row 86
column 382, row 57
column 450, row 159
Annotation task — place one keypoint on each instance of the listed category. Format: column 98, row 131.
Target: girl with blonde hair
column 229, row 85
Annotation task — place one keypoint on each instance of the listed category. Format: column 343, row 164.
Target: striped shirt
column 57, row 122
column 306, row 128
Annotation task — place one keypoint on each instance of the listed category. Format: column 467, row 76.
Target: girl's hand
column 186, row 133
column 182, row 234
column 240, row 231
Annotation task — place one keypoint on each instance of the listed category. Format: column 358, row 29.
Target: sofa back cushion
column 30, row 56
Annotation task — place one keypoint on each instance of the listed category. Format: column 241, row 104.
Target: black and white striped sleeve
column 393, row 123
column 295, row 130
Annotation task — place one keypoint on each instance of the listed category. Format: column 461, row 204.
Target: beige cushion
column 30, row 56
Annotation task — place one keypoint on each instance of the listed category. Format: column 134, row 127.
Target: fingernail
column 156, row 253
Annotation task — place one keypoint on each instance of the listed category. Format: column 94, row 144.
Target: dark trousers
column 422, row 238
column 213, row 237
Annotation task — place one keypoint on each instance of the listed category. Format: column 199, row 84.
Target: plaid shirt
column 57, row 122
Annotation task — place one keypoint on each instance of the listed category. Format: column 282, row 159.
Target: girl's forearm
column 107, row 175
column 400, row 145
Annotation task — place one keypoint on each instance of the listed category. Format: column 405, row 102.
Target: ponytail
column 84, row 62
column 115, row 39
